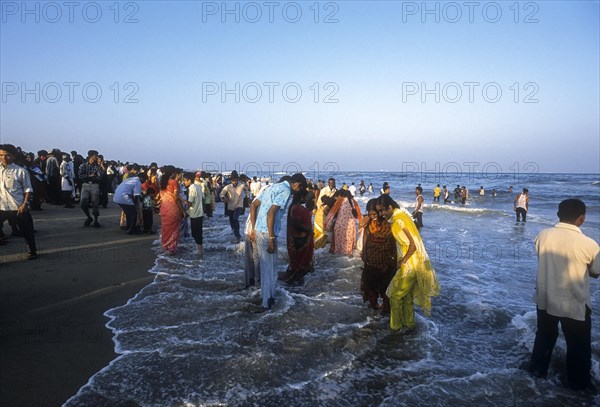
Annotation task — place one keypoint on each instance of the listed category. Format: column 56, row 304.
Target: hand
column 271, row 247
column 252, row 235
column 23, row 208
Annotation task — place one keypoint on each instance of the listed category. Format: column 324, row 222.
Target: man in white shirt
column 329, row 190
column 15, row 191
column 195, row 208
column 255, row 187
column 233, row 196
column 566, row 260
column 352, row 189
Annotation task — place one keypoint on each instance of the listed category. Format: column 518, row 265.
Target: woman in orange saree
column 171, row 210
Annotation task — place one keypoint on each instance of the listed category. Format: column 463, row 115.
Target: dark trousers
column 148, row 219
column 54, row 190
column 234, row 221
column 418, row 217
column 197, row 229
column 208, row 210
column 521, row 212
column 24, row 222
column 130, row 217
column 579, row 348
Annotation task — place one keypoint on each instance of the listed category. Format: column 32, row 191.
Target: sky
column 305, row 85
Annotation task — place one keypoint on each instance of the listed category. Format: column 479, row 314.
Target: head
column 331, row 183
column 42, row 154
column 525, row 191
column 418, row 190
column 8, row 153
column 92, row 156
column 134, row 169
column 234, row 177
column 372, row 209
column 386, row 188
column 66, row 157
column 572, row 211
column 188, row 178
column 298, row 182
column 386, row 206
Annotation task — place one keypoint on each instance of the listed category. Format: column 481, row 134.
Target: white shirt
column 325, row 192
column 196, row 200
column 255, row 188
column 234, row 196
column 565, row 256
column 352, row 190
column 14, row 184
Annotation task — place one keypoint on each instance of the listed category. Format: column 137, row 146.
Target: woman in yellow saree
column 415, row 280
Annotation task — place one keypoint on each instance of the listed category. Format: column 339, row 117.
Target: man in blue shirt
column 127, row 196
column 265, row 215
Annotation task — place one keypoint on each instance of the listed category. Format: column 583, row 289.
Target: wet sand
column 52, row 331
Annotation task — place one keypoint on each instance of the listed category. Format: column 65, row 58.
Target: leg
column 579, row 350
column 249, row 269
column 236, row 223
column 148, row 220
column 545, row 339
column 268, row 269
column 95, row 197
column 85, row 200
column 402, row 313
column 25, row 222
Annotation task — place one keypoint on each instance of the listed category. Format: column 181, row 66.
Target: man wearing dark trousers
column 15, row 191
column 90, row 174
column 566, row 260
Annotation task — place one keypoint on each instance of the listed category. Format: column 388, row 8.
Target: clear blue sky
column 380, row 61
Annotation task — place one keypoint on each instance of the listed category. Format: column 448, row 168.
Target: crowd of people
column 396, row 273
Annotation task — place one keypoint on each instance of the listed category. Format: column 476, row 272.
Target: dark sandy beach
column 53, row 336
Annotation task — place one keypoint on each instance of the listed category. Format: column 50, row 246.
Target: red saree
column 170, row 215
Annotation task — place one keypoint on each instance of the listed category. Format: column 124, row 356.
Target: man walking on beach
column 15, row 191
column 521, row 205
column 265, row 214
column 566, row 260
column 233, row 196
column 90, row 173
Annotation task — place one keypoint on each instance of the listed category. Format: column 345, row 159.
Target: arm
column 594, row 266
column 271, row 227
column 253, row 211
column 412, row 248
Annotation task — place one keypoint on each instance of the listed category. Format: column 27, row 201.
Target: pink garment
column 170, row 216
column 343, row 239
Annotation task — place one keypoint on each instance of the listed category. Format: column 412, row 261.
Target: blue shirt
column 126, row 190
column 278, row 194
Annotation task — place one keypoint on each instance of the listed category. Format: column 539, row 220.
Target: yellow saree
column 416, row 281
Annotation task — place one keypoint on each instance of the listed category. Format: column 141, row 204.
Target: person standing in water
column 521, row 205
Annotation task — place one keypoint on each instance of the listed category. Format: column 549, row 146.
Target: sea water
column 196, row 337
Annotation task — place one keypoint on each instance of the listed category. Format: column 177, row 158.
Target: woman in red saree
column 341, row 219
column 379, row 257
column 300, row 243
column 171, row 210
